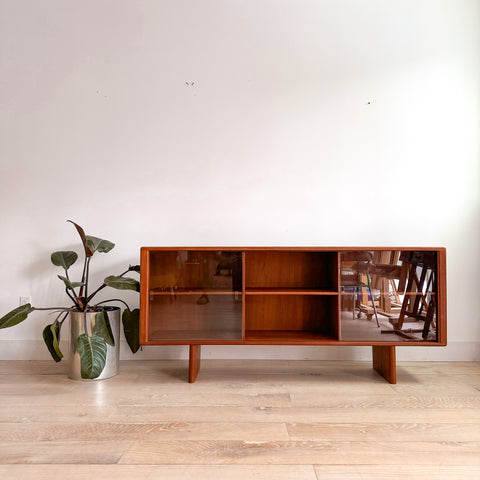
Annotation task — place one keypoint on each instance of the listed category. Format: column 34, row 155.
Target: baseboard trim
column 455, row 351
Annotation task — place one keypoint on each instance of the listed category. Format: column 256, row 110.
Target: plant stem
column 74, row 301
column 101, row 287
column 73, row 290
column 65, row 309
column 83, row 275
column 113, row 300
column 86, row 276
column 60, row 314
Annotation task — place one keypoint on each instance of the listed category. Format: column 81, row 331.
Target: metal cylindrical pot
column 77, row 327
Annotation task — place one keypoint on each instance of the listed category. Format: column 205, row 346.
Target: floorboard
column 261, row 419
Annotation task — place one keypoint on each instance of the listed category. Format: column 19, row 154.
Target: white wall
column 237, row 122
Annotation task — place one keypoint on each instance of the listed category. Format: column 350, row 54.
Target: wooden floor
column 262, row 420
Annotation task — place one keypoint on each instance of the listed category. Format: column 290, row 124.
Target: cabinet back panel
column 296, row 269
column 307, row 313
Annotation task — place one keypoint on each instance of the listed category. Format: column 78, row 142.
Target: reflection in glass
column 190, row 271
column 195, row 295
column 216, row 317
column 389, row 295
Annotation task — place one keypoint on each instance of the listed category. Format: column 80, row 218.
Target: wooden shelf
column 192, row 291
column 419, row 294
column 176, row 336
column 287, row 337
column 288, row 291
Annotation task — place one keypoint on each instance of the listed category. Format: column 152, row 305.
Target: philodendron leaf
column 88, row 252
column 64, row 259
column 16, row 316
column 103, row 328
column 69, row 284
column 51, row 337
column 93, row 355
column 122, row 283
column 98, row 245
column 131, row 328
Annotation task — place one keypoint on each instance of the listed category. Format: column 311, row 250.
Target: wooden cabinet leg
column 384, row 362
column 194, row 362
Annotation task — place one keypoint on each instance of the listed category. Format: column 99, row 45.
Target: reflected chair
column 352, row 277
column 420, row 300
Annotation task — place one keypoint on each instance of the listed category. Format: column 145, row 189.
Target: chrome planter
column 77, row 327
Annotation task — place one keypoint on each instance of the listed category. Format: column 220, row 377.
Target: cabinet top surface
column 292, row 248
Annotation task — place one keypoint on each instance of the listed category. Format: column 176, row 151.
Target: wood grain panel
column 259, row 414
column 240, row 472
column 163, row 472
column 194, row 362
column 74, row 452
column 384, row 362
column 384, row 432
column 294, row 269
column 302, row 452
column 307, row 313
column 397, row 472
column 112, row 432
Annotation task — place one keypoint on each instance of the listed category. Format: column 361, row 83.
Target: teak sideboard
column 381, row 297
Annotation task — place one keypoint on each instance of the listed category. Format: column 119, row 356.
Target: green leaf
column 103, row 328
column 88, row 252
column 122, row 283
column 93, row 355
column 69, row 284
column 134, row 268
column 98, row 245
column 51, row 337
column 131, row 328
column 16, row 316
column 64, row 259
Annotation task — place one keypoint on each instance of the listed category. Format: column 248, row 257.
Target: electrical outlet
column 25, row 300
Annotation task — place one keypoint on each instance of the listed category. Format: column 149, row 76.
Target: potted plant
column 94, row 344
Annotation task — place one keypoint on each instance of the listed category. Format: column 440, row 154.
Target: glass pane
column 195, row 317
column 195, row 295
column 389, row 295
column 187, row 271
